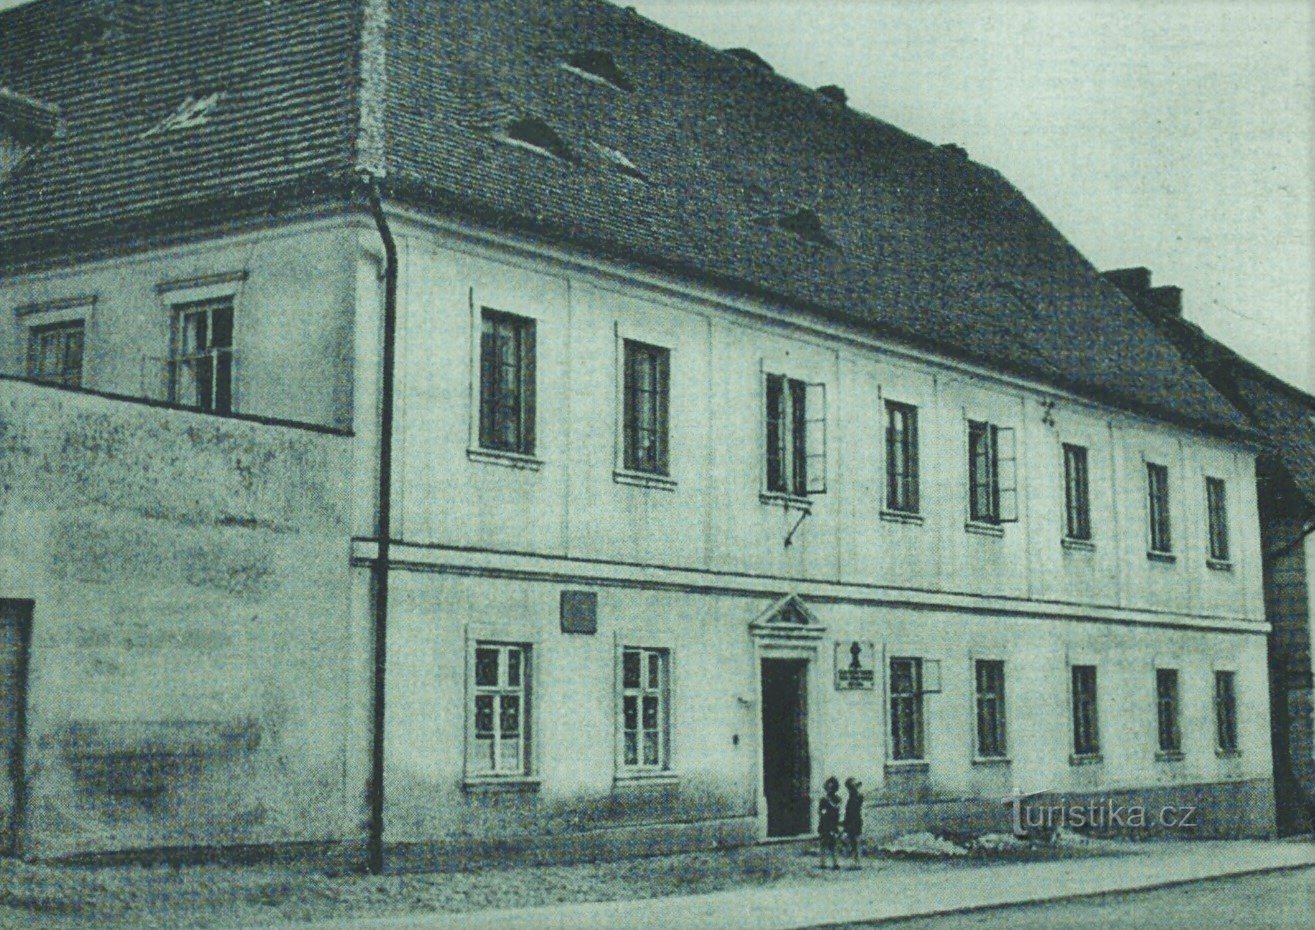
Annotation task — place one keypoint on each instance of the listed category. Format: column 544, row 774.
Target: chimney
column 835, row 93
column 1135, row 283
column 1168, row 299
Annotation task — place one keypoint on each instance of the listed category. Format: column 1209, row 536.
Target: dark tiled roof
column 741, row 178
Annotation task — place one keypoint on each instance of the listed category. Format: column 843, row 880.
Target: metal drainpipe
column 383, row 534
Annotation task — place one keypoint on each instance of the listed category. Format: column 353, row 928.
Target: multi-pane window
column 506, row 383
column 54, row 353
column 795, row 416
column 1157, row 491
column 647, row 373
column 992, row 474
column 1086, row 723
column 990, row 675
column 201, row 370
column 1077, row 499
column 901, row 457
column 1166, row 700
column 1217, row 508
column 906, row 697
column 1226, row 711
column 499, row 743
column 645, row 737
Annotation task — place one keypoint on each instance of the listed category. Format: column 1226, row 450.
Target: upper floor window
column 992, row 474
column 1086, row 721
column 906, row 709
column 499, row 738
column 647, row 391
column 1166, row 699
column 54, row 353
column 901, row 457
column 1157, row 491
column 506, row 383
column 645, row 739
column 1077, row 500
column 795, row 414
column 201, row 368
column 1226, row 711
column 990, row 675
column 1216, row 506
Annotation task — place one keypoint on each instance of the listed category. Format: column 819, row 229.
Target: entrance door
column 15, row 625
column 785, row 746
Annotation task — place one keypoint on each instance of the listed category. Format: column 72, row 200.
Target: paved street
column 1274, row 901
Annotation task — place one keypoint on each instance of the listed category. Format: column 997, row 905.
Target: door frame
column 809, row 701
column 21, row 611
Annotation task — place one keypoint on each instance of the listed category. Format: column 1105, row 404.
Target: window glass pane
column 509, row 753
column 484, row 716
column 514, row 668
column 654, row 670
column 630, row 712
column 486, row 667
column 650, row 748
column 650, row 713
column 631, row 755
column 510, row 714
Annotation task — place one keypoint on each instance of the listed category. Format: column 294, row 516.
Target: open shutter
column 815, row 437
column 773, row 427
column 1007, row 474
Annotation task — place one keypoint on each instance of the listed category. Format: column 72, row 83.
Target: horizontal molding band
column 455, row 560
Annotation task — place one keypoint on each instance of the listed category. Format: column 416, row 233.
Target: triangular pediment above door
column 788, row 618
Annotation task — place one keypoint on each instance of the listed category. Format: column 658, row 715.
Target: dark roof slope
column 681, row 158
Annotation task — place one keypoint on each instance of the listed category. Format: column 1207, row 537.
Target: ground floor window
column 1086, row 723
column 1166, row 697
column 990, row 676
column 906, row 717
column 1226, row 711
column 645, row 731
column 500, row 738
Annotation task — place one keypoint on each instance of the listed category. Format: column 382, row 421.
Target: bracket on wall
column 789, row 537
column 1048, row 417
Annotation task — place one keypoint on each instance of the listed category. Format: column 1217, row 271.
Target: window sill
column 505, row 459
column 902, row 516
column 491, row 784
column 644, row 479
column 788, row 501
column 1218, row 565
column 984, row 529
column 1228, row 753
column 1077, row 545
column 1091, row 758
column 908, row 765
column 1169, row 755
column 1164, row 558
column 992, row 760
column 643, row 779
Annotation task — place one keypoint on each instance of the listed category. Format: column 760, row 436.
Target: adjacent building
column 727, row 438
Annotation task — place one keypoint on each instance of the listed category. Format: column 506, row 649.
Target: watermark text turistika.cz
column 1030, row 814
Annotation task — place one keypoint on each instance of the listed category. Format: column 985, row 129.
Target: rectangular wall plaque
column 856, row 668
column 580, row 612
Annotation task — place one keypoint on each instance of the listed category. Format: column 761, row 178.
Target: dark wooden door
column 15, row 626
column 785, row 746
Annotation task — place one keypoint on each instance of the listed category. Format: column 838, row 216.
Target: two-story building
column 726, row 439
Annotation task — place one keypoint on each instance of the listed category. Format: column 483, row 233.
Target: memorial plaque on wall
column 580, row 612
column 856, row 667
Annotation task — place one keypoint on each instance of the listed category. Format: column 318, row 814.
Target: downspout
column 383, row 533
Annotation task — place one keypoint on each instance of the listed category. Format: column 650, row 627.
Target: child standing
column 853, row 822
column 828, row 823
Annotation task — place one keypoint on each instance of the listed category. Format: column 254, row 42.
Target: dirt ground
column 36, row 897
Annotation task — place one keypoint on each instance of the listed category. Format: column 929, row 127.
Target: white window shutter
column 1007, row 472
column 815, row 437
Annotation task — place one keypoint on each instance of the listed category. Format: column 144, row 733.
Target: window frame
column 39, row 329
column 902, row 484
column 1159, row 513
column 1168, row 713
column 908, row 716
column 659, row 464
column 1077, row 492
column 523, row 690
column 1216, row 506
column 998, row 730
column 992, row 497
column 648, row 657
column 794, row 437
column 220, row 359
column 1084, row 696
column 490, row 410
column 1226, row 733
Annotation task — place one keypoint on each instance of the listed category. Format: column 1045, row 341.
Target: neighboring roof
column 727, row 173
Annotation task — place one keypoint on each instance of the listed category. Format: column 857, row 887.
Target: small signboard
column 580, row 612
column 856, row 666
